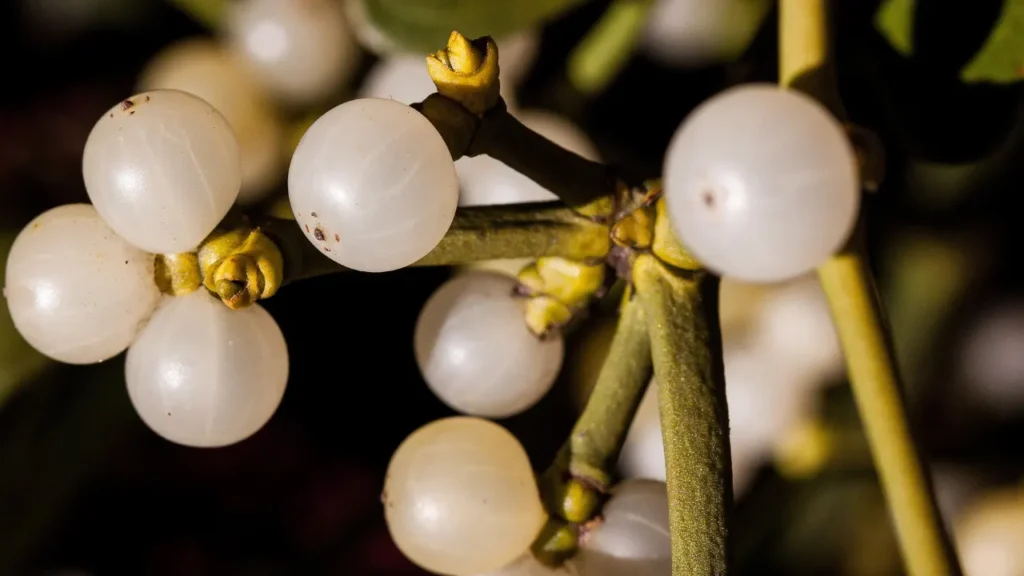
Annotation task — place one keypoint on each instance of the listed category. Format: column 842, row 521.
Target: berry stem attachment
column 681, row 308
column 860, row 321
column 178, row 274
column 241, row 266
column 467, row 72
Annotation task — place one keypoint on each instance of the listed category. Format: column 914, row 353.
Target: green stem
column 606, row 49
column 601, row 429
column 804, row 55
column 209, row 13
column 477, row 233
column 861, row 325
column 682, row 317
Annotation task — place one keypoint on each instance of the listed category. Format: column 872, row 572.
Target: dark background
column 84, row 485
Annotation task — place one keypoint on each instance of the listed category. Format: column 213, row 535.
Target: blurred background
column 86, row 488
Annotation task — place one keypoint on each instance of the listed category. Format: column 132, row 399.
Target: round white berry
column 302, row 51
column 990, row 531
column 207, row 69
column 701, row 32
column 989, row 362
column 633, row 537
column 460, row 497
column 403, row 78
column 475, row 351
column 761, row 183
column 485, row 181
column 373, row 186
column 203, row 375
column 162, row 168
column 76, row 291
column 794, row 327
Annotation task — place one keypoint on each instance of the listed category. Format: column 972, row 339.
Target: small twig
column 478, row 233
column 574, row 179
column 601, row 429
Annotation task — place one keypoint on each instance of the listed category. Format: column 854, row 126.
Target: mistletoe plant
column 762, row 183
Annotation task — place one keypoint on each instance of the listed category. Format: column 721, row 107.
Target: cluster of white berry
column 761, row 185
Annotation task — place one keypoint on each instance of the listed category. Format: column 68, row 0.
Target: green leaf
column 19, row 362
column 1001, row 59
column 424, row 25
column 895, row 20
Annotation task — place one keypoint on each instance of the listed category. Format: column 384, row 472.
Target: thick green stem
column 606, row 49
column 682, row 317
column 601, row 429
column 478, row 233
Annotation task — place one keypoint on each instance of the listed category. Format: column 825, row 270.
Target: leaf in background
column 53, row 440
column 895, row 20
column 19, row 362
column 1001, row 59
column 424, row 25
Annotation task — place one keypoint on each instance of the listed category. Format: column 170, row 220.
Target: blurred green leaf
column 54, row 439
column 895, row 20
column 424, row 25
column 1001, row 59
column 19, row 362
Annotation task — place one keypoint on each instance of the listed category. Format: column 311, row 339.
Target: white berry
column 162, row 168
column 475, row 351
column 633, row 537
column 203, row 375
column 460, row 497
column 702, row 32
column 302, row 51
column 761, row 183
column 794, row 327
column 77, row 292
column 207, row 69
column 990, row 532
column 485, row 181
column 373, row 185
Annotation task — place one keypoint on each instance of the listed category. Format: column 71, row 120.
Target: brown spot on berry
column 147, row 98
column 708, row 197
column 131, row 113
column 337, row 238
column 313, row 214
column 307, row 228
column 111, row 114
column 318, row 234
column 127, row 104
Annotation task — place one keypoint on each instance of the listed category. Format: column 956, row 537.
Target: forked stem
column 849, row 286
